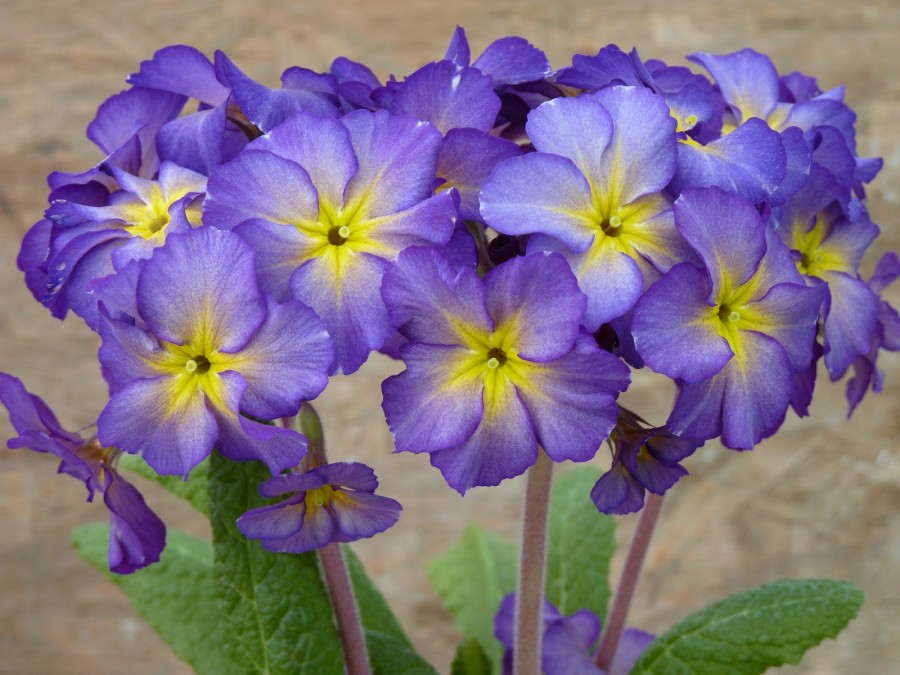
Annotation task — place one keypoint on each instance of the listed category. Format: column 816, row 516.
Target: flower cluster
column 517, row 235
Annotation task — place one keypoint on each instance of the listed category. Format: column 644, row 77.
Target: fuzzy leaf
column 470, row 659
column 277, row 616
column 178, row 596
column 193, row 489
column 390, row 656
column 749, row 632
column 390, row 650
column 580, row 545
column 472, row 578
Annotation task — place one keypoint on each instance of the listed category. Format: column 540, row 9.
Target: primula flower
column 326, row 204
column 594, row 192
column 330, row 503
column 102, row 239
column 733, row 333
column 206, row 348
column 136, row 535
column 495, row 367
column 828, row 246
column 645, row 459
column 569, row 642
column 885, row 336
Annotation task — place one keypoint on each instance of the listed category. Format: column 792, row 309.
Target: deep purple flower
column 330, row 503
column 569, row 642
column 137, row 536
column 325, row 204
column 885, row 336
column 495, row 367
column 206, row 348
column 733, row 334
column 645, row 459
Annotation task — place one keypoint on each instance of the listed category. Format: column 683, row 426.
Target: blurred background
column 820, row 500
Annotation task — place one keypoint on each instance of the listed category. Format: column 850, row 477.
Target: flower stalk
column 529, row 605
column 615, row 622
column 346, row 612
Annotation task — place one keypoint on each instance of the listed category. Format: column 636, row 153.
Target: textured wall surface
column 821, row 499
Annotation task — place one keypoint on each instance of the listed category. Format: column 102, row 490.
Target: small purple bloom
column 569, row 643
column 137, row 536
column 330, row 503
column 645, row 459
column 885, row 336
column 495, row 367
column 206, row 348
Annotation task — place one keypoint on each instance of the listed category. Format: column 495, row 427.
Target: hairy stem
column 615, row 622
column 530, row 594
column 346, row 612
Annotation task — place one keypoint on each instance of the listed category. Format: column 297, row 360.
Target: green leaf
column 752, row 631
column 178, row 596
column 193, row 490
column 470, row 659
column 391, row 656
column 580, row 545
column 277, row 615
column 390, row 650
column 472, row 578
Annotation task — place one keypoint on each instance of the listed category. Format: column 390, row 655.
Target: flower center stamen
column 728, row 314
column 612, row 226
column 338, row 235
column 198, row 364
column 496, row 358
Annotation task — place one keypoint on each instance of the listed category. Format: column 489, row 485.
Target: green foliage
column 580, row 545
column 276, row 613
column 752, row 631
column 390, row 650
column 178, row 596
column 193, row 490
column 472, row 578
column 470, row 659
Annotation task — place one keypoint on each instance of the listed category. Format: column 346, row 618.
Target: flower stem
column 615, row 622
column 529, row 600
column 346, row 612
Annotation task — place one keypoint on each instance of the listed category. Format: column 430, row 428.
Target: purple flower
column 645, row 459
column 594, row 192
column 569, row 642
column 495, row 367
column 325, row 204
column 205, row 348
column 828, row 245
column 330, row 503
column 734, row 333
column 885, row 336
column 137, row 536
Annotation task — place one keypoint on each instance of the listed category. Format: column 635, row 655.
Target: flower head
column 733, row 333
column 325, row 204
column 330, row 503
column 137, row 536
column 569, row 642
column 495, row 367
column 205, row 349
